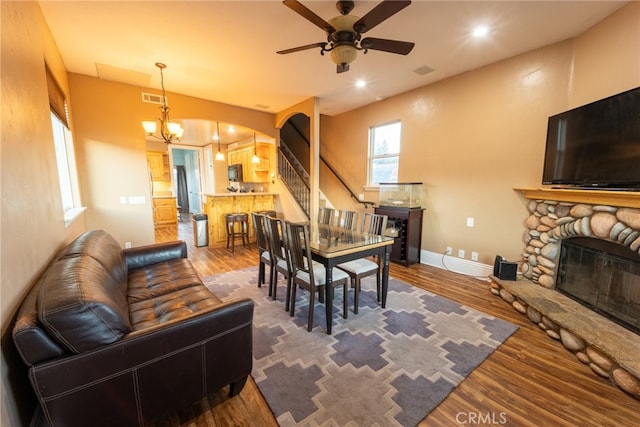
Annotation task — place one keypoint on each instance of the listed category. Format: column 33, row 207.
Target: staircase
column 293, row 153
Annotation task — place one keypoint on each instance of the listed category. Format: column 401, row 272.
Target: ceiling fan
column 344, row 31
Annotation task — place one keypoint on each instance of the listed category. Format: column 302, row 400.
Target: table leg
column 385, row 274
column 328, row 300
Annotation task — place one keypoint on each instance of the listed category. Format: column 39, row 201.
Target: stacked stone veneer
column 548, row 223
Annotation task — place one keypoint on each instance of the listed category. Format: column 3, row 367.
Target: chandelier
column 169, row 131
column 255, row 158
column 219, row 155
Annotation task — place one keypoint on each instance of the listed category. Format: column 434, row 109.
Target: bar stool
column 242, row 219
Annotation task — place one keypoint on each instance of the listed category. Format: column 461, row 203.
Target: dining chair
column 264, row 252
column 325, row 215
column 280, row 255
column 347, row 219
column 361, row 268
column 309, row 274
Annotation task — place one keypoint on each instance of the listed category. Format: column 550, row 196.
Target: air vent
column 152, row 98
column 423, row 70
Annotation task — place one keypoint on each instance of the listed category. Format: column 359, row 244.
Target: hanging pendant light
column 255, row 158
column 169, row 131
column 219, row 155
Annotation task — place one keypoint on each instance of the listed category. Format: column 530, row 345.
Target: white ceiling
column 225, row 51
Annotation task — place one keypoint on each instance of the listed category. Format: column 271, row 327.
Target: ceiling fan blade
column 386, row 45
column 299, row 48
column 310, row 16
column 382, row 11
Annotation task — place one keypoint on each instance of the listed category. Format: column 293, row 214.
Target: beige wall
column 32, row 225
column 607, row 57
column 112, row 149
column 473, row 137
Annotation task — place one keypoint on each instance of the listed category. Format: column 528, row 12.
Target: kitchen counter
column 220, row 204
column 236, row 193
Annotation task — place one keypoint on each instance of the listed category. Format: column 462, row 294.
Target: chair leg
column 293, row 300
column 287, row 298
column 272, row 271
column 312, row 303
column 356, row 295
column 261, row 272
column 345, row 300
column 273, row 283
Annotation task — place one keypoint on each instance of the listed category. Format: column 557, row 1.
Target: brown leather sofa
column 118, row 337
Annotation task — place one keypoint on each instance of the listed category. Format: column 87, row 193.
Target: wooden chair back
column 373, row 223
column 258, row 221
column 325, row 215
column 297, row 242
column 347, row 219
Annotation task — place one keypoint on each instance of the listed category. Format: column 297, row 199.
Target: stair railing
column 332, row 170
column 295, row 178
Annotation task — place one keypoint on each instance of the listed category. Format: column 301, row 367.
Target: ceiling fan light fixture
column 344, row 54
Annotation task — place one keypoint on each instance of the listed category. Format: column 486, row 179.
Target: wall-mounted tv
column 596, row 145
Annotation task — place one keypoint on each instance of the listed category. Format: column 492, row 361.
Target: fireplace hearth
column 573, row 239
column 603, row 276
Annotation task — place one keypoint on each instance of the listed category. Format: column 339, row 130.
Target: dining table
column 331, row 245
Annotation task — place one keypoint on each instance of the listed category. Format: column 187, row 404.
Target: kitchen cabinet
column 252, row 172
column 165, row 211
column 405, row 226
column 218, row 205
column 159, row 165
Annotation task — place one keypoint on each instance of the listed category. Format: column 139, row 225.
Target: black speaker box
column 503, row 269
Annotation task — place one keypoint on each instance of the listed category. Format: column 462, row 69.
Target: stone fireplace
column 609, row 221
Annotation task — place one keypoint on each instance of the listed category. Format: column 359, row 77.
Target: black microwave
column 235, row 172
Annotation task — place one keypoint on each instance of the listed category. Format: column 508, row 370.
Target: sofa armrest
column 142, row 256
column 150, row 372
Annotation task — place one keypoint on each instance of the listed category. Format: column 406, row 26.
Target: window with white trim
column 384, row 153
column 65, row 158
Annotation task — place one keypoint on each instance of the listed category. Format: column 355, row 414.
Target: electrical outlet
column 127, row 244
column 474, row 256
column 460, row 253
column 470, row 222
column 449, row 250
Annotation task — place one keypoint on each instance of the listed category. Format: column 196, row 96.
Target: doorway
column 187, row 179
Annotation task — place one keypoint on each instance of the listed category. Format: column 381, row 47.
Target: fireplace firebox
column 603, row 276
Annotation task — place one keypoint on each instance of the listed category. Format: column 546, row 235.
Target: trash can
column 200, row 230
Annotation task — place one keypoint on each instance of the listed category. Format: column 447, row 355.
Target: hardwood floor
column 531, row 380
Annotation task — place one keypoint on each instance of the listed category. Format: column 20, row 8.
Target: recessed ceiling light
column 361, row 83
column 480, row 31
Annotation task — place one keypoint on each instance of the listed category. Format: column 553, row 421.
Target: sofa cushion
column 101, row 246
column 172, row 306
column 161, row 278
column 82, row 305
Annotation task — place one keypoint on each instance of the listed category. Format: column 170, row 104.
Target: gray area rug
column 380, row 367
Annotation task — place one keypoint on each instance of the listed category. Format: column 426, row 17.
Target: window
column 384, row 153
column 66, row 169
column 65, row 158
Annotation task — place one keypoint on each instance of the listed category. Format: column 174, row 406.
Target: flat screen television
column 596, row 145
